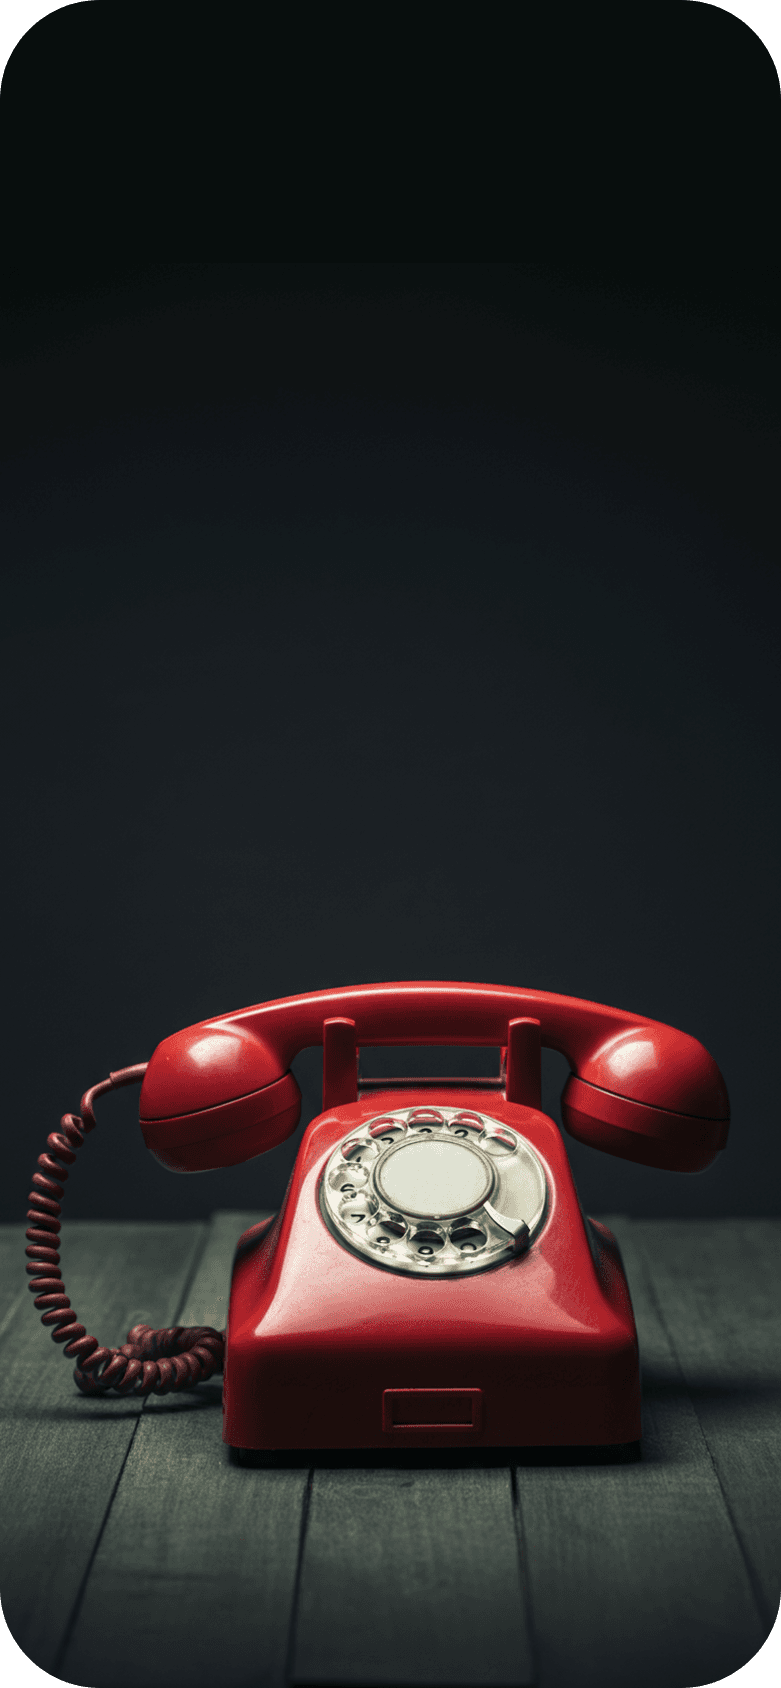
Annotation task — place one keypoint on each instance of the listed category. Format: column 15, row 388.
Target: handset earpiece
column 650, row 1094
column 214, row 1096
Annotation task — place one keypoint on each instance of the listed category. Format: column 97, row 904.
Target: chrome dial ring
column 434, row 1191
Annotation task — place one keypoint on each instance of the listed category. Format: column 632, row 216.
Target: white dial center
column 434, row 1178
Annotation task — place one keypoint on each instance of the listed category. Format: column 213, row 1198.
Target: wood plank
column 61, row 1453
column 13, row 1279
column 718, row 1289
column 410, row 1574
column 199, row 1554
column 635, row 1572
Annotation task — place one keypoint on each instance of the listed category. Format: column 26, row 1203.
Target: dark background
column 372, row 620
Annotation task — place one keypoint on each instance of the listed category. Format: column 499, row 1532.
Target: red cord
column 151, row 1361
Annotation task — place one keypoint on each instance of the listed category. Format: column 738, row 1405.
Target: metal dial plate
column 435, row 1191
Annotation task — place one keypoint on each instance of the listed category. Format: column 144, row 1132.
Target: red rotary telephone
column 430, row 1279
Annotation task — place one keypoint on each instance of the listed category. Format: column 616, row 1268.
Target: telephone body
column 431, row 1279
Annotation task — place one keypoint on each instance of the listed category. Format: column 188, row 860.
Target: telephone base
column 328, row 1350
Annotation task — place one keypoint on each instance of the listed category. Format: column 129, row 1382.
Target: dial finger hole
column 468, row 1239
column 465, row 1124
column 386, row 1131
column 497, row 1140
column 426, row 1242
column 348, row 1179
column 387, row 1232
column 425, row 1118
column 357, row 1210
column 357, row 1151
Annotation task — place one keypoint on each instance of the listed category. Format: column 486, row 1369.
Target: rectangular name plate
column 432, row 1409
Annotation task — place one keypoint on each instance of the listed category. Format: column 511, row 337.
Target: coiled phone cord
column 151, row 1361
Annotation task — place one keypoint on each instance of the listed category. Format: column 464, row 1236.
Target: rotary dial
column 434, row 1191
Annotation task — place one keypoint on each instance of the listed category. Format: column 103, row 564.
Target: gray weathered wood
column 411, row 1575
column 634, row 1570
column 659, row 1572
column 13, row 1281
column 718, row 1287
column 62, row 1453
column 198, row 1557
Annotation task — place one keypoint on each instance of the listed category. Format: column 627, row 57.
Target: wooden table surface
column 137, row 1550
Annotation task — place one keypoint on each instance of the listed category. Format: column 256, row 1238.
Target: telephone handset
column 430, row 1278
